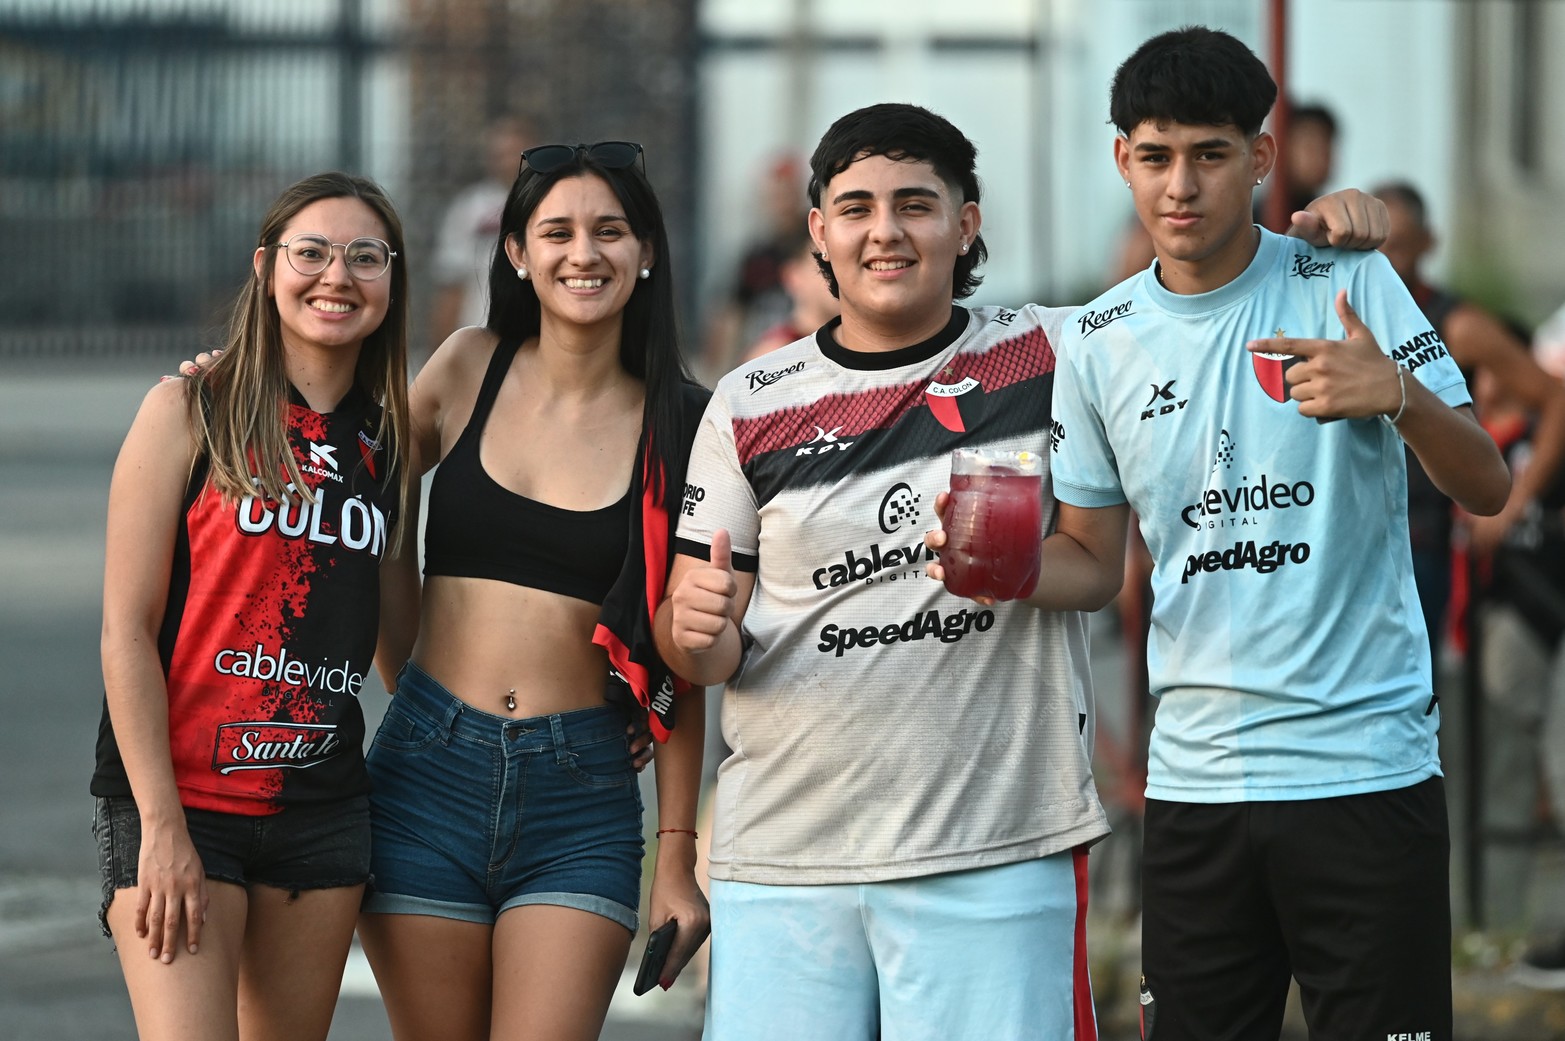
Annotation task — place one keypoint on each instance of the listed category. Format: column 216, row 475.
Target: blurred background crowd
column 139, row 139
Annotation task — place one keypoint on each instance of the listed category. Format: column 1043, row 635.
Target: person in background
column 1294, row 777
column 813, row 304
column 507, row 817
column 1308, row 156
column 756, row 298
column 1478, row 341
column 464, row 248
column 258, row 516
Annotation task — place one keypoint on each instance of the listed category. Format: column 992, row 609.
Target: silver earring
column 1258, row 180
column 646, row 273
column 964, row 247
column 825, row 257
column 521, row 273
column 1127, row 184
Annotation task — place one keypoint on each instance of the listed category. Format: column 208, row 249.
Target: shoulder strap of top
column 499, row 365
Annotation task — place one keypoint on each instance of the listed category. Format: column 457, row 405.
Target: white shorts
column 991, row 953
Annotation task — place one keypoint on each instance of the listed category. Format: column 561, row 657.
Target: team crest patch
column 956, row 405
column 1271, row 372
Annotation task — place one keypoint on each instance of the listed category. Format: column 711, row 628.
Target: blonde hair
column 238, row 406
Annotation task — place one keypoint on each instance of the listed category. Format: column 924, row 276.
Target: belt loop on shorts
column 453, row 710
column 562, row 754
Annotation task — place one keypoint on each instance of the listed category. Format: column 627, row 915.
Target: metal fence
column 141, row 140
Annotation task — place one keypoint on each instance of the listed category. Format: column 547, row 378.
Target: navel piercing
column 510, row 700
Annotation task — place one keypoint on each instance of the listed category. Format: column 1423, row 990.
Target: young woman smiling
column 507, row 818
column 232, row 815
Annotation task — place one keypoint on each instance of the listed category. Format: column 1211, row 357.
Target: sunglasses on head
column 611, row 155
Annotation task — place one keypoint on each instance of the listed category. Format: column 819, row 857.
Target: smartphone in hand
column 658, row 945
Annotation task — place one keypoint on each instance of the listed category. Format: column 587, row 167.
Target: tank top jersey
column 1288, row 650
column 271, row 625
column 881, row 727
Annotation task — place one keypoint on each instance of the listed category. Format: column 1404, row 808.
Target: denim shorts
column 310, row 846
column 474, row 814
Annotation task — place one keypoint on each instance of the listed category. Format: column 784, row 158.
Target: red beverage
column 994, row 528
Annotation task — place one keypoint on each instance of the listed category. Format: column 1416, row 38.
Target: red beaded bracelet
column 679, row 831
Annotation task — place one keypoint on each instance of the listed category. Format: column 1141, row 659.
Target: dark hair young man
column 901, row 830
column 1295, row 820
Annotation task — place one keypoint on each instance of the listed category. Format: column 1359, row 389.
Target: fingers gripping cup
column 994, row 526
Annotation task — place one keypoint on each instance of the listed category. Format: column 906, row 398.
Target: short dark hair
column 1409, row 197
column 1196, row 76
column 1313, row 113
column 899, row 131
column 649, row 337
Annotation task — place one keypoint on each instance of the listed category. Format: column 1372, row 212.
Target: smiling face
column 580, row 253
column 1192, row 186
column 331, row 310
column 892, row 230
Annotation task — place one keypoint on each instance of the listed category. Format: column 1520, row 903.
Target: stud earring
column 825, row 257
column 646, row 273
column 1258, row 180
column 964, row 247
column 521, row 273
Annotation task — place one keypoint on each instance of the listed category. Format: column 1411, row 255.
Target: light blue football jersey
column 1287, row 651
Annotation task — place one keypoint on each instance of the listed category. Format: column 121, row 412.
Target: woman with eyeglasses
column 507, row 816
column 252, row 513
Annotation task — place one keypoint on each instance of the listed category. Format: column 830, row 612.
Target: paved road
column 60, row 425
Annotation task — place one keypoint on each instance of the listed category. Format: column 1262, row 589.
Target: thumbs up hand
column 704, row 601
column 1350, row 378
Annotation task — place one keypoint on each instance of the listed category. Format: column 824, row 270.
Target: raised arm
column 1353, row 378
column 697, row 624
column 1349, row 219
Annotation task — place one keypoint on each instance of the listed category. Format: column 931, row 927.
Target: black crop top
column 478, row 529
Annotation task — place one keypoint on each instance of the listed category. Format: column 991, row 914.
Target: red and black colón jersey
column 271, row 625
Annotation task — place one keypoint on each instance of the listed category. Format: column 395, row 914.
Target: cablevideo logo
column 260, row 663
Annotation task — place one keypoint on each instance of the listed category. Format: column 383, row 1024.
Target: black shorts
column 1350, row 896
column 323, row 846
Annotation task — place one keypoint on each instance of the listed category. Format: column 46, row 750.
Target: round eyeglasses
column 367, row 258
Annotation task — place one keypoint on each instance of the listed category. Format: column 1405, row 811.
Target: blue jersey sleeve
column 1084, row 469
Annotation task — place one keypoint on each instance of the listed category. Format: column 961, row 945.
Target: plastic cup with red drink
column 994, row 524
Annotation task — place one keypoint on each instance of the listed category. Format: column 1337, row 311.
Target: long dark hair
column 649, row 336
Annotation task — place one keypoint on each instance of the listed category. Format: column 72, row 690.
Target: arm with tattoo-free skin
column 145, row 504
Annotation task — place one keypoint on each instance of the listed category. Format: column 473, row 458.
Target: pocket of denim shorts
column 604, row 763
column 405, row 729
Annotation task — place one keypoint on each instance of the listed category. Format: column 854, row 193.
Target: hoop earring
column 521, row 273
